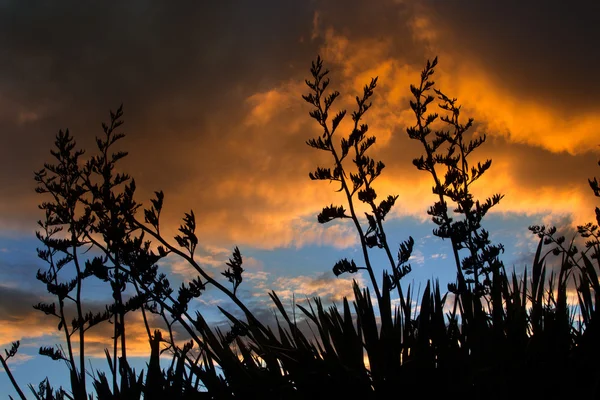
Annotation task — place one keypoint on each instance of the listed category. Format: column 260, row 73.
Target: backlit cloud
column 214, row 115
column 223, row 133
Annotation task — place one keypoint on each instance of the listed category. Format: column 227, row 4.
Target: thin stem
column 12, row 379
column 82, row 389
column 206, row 277
column 438, row 185
column 338, row 163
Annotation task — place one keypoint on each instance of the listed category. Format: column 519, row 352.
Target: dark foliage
column 492, row 335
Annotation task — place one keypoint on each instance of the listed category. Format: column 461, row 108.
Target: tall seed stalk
column 446, row 158
column 356, row 184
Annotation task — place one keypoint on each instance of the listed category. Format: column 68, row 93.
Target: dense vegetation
column 492, row 334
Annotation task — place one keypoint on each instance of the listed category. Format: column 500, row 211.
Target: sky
column 214, row 117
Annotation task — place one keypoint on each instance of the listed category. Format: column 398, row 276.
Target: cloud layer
column 214, row 114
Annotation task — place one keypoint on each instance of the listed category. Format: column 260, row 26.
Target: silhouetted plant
column 3, row 361
column 45, row 391
column 96, row 207
column 480, row 273
column 359, row 183
column 99, row 206
column 235, row 270
column 64, row 182
column 450, row 149
column 501, row 334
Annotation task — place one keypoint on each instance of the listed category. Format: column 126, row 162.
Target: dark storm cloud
column 384, row 20
column 65, row 64
column 15, row 302
column 542, row 50
column 212, row 92
column 93, row 52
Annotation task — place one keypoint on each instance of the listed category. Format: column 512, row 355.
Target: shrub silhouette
column 504, row 336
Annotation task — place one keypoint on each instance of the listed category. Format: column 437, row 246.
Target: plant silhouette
column 491, row 335
column 358, row 183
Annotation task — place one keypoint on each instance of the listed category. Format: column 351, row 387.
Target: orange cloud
column 266, row 199
column 532, row 122
column 26, row 326
column 98, row 338
column 244, row 171
column 22, row 322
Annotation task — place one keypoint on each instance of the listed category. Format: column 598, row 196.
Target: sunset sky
column 214, row 117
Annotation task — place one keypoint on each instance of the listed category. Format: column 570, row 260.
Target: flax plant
column 95, row 205
column 98, row 204
column 446, row 159
column 357, row 184
column 480, row 273
column 503, row 336
column 4, row 362
column 92, row 203
column 63, row 181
